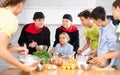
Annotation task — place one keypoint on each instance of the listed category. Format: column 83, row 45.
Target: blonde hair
column 66, row 34
column 10, row 2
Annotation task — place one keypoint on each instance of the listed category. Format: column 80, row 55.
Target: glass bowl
column 86, row 67
column 41, row 47
column 29, row 60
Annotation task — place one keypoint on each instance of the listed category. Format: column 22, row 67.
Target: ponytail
column 5, row 3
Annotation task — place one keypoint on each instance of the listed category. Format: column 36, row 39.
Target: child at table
column 91, row 33
column 116, row 15
column 64, row 47
column 107, row 38
column 70, row 29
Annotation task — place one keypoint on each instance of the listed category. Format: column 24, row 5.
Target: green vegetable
column 43, row 54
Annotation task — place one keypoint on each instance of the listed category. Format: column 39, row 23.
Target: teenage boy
column 91, row 33
column 107, row 37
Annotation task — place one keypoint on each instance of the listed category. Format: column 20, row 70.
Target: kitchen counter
column 60, row 71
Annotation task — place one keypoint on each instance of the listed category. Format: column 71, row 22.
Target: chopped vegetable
column 43, row 54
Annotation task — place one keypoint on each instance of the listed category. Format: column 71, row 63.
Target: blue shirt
column 66, row 50
column 118, row 36
column 107, row 39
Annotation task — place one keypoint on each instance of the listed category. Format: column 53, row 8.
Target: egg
column 54, row 67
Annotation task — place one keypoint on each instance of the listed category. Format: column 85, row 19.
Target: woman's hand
column 28, row 67
column 22, row 50
column 18, row 49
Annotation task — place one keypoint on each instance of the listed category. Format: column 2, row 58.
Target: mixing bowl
column 41, row 47
column 31, row 60
column 86, row 67
column 105, row 63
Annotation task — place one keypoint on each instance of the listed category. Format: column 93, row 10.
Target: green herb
column 43, row 54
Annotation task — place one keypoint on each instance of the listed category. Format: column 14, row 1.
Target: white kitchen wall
column 55, row 9
column 107, row 4
column 60, row 3
column 0, row 1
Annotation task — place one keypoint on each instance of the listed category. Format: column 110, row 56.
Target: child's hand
column 52, row 50
column 92, row 53
column 33, row 44
column 72, row 54
column 79, row 51
column 97, row 60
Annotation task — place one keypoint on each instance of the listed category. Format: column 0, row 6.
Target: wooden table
column 60, row 71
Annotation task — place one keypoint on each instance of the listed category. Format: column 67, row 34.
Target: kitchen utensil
column 40, row 67
column 25, row 51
